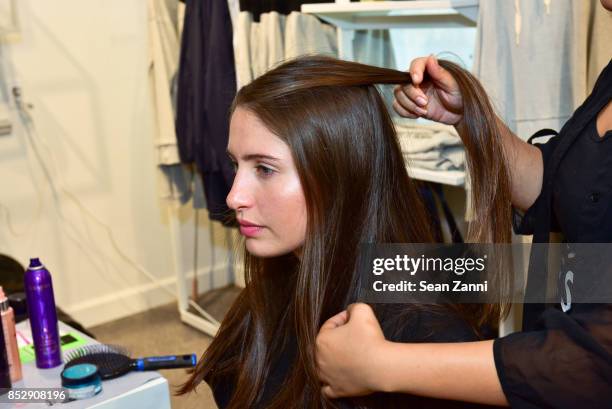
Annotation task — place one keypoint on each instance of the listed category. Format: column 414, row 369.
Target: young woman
column 318, row 172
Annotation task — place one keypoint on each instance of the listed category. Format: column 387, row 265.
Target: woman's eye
column 264, row 170
column 235, row 166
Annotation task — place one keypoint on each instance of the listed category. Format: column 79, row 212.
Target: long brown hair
column 357, row 190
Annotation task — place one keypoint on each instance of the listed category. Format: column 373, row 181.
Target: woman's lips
column 250, row 230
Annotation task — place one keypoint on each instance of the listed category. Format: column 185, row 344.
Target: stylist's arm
column 354, row 359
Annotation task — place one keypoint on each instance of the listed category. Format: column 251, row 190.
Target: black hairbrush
column 113, row 361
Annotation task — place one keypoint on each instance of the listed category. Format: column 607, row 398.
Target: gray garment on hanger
column 177, row 182
column 373, row 47
column 259, row 46
column 163, row 64
column 531, row 62
column 306, row 34
column 433, row 147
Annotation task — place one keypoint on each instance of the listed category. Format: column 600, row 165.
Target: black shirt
column 564, row 359
column 582, row 195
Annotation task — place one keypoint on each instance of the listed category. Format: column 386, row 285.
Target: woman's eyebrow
column 255, row 156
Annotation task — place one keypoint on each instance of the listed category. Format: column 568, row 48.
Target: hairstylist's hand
column 348, row 349
column 437, row 97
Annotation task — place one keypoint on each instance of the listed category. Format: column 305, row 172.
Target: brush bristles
column 94, row 349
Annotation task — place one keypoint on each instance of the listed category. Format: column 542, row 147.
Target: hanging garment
column 284, row 7
column 260, row 45
column 374, row 47
column 163, row 64
column 433, row 197
column 531, row 59
column 269, row 32
column 431, row 147
column 267, row 42
column 164, row 51
column 206, row 88
column 306, row 34
column 233, row 6
column 234, row 10
column 448, row 158
column 242, row 49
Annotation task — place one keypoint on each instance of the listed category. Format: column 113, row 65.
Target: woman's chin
column 259, row 249
column 265, row 250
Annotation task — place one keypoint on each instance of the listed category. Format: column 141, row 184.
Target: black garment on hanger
column 206, row 89
column 258, row 7
column 431, row 193
column 564, row 359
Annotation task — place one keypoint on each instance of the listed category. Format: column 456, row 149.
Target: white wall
column 82, row 64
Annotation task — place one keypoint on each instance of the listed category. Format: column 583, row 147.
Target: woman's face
column 267, row 194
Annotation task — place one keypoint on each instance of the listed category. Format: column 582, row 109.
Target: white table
column 135, row 390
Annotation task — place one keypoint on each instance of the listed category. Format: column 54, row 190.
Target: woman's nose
column 239, row 196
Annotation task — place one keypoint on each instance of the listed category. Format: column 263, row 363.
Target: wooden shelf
column 397, row 14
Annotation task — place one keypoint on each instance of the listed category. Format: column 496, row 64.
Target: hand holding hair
column 434, row 94
column 348, row 349
column 354, row 359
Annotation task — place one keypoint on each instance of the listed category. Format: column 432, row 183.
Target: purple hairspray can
column 42, row 314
